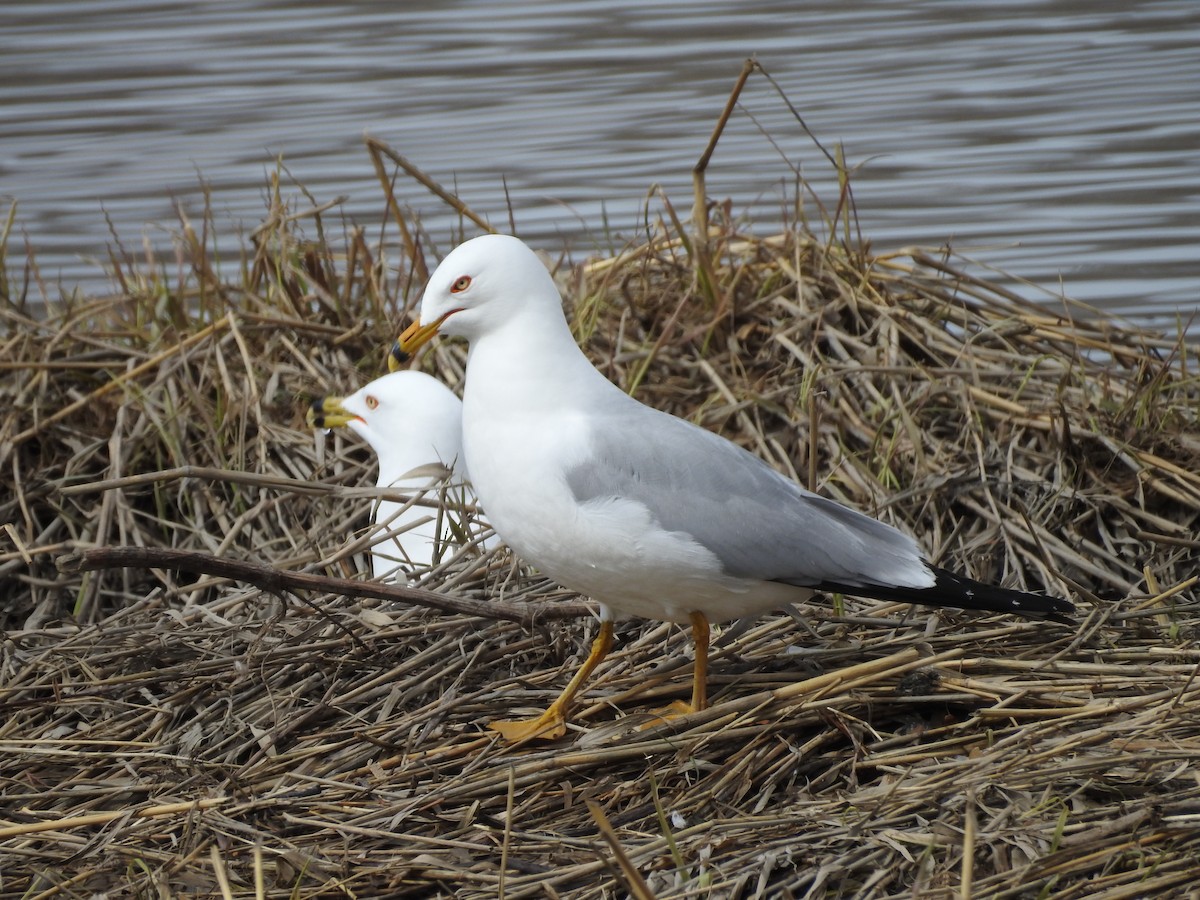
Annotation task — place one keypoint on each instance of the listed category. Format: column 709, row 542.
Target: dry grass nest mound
column 175, row 734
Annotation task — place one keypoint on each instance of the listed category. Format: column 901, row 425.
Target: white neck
column 531, row 361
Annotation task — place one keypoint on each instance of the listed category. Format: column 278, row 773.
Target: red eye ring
column 461, row 283
column 372, row 401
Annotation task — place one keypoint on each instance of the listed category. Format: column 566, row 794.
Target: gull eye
column 372, row 401
column 460, row 284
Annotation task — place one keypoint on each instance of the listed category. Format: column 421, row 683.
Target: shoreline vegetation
column 185, row 732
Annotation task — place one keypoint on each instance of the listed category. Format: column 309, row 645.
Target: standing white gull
column 414, row 424
column 646, row 513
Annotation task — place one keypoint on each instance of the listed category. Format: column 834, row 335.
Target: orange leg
column 700, row 635
column 553, row 722
column 700, row 671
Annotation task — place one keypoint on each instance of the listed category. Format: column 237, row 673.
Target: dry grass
column 172, row 735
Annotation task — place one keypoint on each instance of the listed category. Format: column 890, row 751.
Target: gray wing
column 758, row 523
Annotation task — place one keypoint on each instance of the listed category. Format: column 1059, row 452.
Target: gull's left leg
column 700, row 636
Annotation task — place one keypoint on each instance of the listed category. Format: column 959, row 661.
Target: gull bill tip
column 397, row 357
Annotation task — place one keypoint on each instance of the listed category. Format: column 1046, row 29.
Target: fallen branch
column 280, row 580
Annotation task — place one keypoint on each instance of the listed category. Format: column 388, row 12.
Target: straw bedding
column 170, row 732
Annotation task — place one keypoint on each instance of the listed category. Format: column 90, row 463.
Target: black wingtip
column 952, row 590
column 958, row 590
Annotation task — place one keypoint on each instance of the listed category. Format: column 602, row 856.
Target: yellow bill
column 414, row 336
column 328, row 412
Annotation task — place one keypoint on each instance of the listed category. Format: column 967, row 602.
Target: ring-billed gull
column 413, row 422
column 648, row 514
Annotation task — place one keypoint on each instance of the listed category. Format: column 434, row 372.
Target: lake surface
column 1059, row 141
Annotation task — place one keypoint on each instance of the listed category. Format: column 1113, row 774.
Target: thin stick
column 275, row 580
column 257, row 479
column 699, row 215
column 634, row 881
column 700, row 249
column 967, row 886
column 204, row 473
column 102, row 818
column 410, row 246
column 377, row 146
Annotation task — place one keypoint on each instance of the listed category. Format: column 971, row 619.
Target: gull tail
column 961, row 592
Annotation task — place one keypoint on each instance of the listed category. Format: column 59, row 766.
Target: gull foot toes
column 671, row 711
column 546, row 727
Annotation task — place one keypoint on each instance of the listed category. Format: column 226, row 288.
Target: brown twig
column 278, row 580
column 414, row 172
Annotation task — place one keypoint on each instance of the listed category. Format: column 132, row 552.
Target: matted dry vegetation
column 170, row 734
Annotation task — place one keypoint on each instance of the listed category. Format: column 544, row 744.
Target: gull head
column 398, row 411
column 481, row 284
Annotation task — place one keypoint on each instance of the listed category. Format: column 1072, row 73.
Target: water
column 1058, row 140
